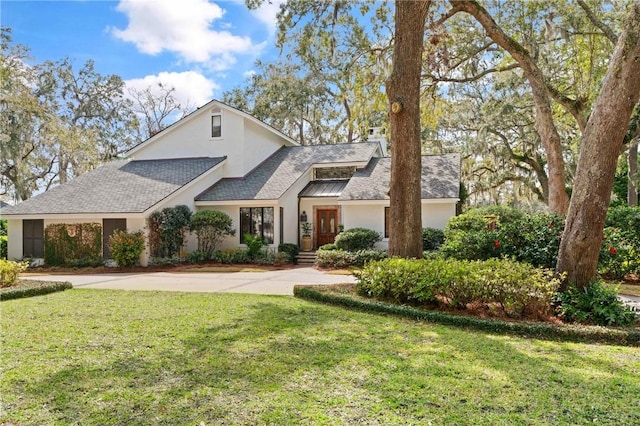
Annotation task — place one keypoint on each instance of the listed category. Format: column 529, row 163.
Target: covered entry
column 321, row 198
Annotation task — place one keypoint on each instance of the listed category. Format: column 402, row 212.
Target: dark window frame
column 216, row 128
column 252, row 221
column 387, row 218
column 33, row 242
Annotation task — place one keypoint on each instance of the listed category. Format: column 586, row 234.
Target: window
column 257, row 221
column 33, row 238
column 281, row 225
column 216, row 125
column 387, row 219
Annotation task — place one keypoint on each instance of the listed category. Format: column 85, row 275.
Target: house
column 221, row 158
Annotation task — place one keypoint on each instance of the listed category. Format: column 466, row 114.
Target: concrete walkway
column 279, row 282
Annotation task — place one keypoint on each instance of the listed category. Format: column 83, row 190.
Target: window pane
column 256, row 222
column 216, row 126
column 245, row 222
column 267, row 224
column 387, row 218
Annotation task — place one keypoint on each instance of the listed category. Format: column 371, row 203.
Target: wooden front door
column 326, row 226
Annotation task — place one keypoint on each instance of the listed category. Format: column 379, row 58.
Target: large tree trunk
column 403, row 92
column 545, row 126
column 601, row 146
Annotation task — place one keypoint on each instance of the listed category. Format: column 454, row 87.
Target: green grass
column 109, row 357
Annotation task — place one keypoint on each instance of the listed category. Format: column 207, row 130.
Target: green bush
column 198, row 256
column 504, row 214
column 33, row 288
column 292, row 250
column 344, row 259
column 432, row 239
column 233, row 256
column 468, row 237
column 595, row 304
column 357, row 239
column 3, row 246
column 254, row 245
column 515, row 288
column 9, row 272
column 167, row 229
column 211, row 227
column 329, row 246
column 78, row 243
column 126, row 247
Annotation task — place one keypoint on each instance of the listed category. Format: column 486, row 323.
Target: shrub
column 344, row 259
column 468, row 237
column 211, row 227
column 80, row 243
column 33, row 288
column 516, row 288
column 198, row 256
column 357, row 239
column 619, row 255
column 594, row 304
column 126, row 247
column 254, row 245
column 505, row 214
column 432, row 238
column 9, row 272
column 330, row 246
column 167, row 229
column 232, row 256
column 3, row 246
column 292, row 250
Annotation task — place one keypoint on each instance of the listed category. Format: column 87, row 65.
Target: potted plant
column 307, row 240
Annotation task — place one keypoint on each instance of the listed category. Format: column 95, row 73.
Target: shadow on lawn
column 305, row 363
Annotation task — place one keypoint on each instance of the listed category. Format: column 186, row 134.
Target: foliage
column 3, row 239
column 342, row 259
column 232, row 256
column 79, row 244
column 199, row 256
column 467, row 236
column 59, row 121
column 327, row 247
column 517, row 288
column 211, row 227
column 306, row 227
column 594, row 304
column 30, row 288
column 9, row 272
column 292, row 250
column 357, row 239
column 167, row 229
column 254, row 245
column 126, row 247
column 432, row 238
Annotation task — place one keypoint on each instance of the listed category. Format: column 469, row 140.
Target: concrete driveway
column 279, row 282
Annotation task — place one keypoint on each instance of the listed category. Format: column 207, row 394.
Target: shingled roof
column 120, row 186
column 440, row 179
column 270, row 179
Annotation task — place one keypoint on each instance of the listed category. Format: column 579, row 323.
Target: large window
column 257, row 221
column 33, row 238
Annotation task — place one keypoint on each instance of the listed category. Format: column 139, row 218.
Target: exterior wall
column 311, row 205
column 245, row 143
column 289, row 202
column 371, row 216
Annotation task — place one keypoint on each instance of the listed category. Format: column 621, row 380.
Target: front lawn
column 109, row 357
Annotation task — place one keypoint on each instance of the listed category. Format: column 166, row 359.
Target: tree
column 601, row 146
column 211, row 227
column 403, row 93
column 157, row 108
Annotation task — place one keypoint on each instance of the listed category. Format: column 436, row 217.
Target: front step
column 306, row 257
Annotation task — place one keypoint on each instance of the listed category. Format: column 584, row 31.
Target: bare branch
column 472, row 78
column 606, row 30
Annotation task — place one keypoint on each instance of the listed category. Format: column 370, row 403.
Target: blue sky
column 200, row 47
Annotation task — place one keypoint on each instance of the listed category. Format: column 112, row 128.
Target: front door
column 109, row 226
column 326, row 226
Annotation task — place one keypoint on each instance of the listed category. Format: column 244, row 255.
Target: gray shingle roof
column 117, row 187
column 440, row 179
column 270, row 179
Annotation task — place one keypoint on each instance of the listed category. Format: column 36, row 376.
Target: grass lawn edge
column 29, row 288
column 329, row 294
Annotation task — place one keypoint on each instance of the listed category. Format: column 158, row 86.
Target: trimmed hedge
column 33, row 288
column 357, row 239
column 575, row 333
column 343, row 259
column 76, row 244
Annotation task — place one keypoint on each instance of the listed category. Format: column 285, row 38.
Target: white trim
column 387, row 202
column 239, row 203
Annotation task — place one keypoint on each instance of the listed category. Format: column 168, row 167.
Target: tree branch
column 472, row 78
column 606, row 30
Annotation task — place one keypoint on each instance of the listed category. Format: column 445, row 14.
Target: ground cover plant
column 141, row 358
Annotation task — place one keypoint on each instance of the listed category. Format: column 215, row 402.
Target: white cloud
column 191, row 88
column 268, row 14
column 182, row 27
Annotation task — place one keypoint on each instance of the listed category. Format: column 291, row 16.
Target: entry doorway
column 326, row 226
column 109, row 226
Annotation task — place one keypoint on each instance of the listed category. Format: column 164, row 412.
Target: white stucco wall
column 14, row 239
column 243, row 142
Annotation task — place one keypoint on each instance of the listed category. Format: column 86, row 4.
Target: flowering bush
column 9, row 272
column 126, row 247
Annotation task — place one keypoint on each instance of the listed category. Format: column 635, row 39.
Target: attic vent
column 216, row 110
